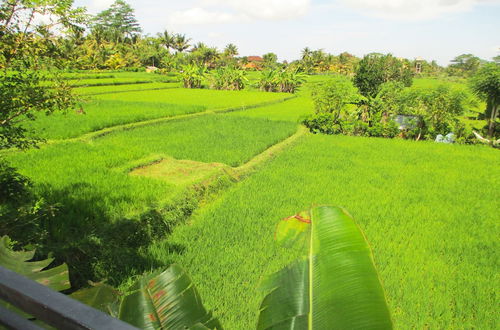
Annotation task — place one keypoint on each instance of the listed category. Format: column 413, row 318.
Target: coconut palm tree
column 231, row 50
column 181, row 43
column 167, row 39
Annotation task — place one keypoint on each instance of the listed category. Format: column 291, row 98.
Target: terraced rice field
column 137, row 155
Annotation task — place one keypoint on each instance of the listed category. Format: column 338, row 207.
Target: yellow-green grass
column 181, row 172
column 429, row 212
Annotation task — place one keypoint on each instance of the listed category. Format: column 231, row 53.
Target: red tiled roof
column 255, row 59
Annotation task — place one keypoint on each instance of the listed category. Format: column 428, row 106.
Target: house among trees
column 254, row 63
column 418, row 64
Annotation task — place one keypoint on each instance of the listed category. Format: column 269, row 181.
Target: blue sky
column 432, row 29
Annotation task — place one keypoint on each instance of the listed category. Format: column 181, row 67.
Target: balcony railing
column 51, row 307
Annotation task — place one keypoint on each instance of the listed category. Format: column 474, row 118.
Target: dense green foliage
column 415, row 113
column 285, row 81
column 486, row 84
column 376, row 69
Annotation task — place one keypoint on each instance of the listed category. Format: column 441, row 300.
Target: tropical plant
column 334, row 95
column 160, row 300
column 486, row 84
column 181, row 43
column 192, row 75
column 167, row 39
column 285, row 81
column 268, row 81
column 231, row 50
column 333, row 286
column 228, row 78
column 55, row 278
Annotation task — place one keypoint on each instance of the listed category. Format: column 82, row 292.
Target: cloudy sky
column 432, row 29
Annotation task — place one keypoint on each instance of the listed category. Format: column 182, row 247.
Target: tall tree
column 181, row 43
column 270, row 60
column 465, row 64
column 167, row 39
column 118, row 22
column 25, row 47
column 486, row 84
column 231, row 50
column 375, row 69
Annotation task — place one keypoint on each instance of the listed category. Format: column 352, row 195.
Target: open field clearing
column 429, row 211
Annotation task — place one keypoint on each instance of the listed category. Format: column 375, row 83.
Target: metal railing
column 48, row 306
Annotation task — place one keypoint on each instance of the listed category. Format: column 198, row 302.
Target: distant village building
column 254, row 62
column 418, row 64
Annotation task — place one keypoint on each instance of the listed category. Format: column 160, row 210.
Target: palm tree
column 198, row 46
column 306, row 53
column 181, row 43
column 167, row 39
column 231, row 50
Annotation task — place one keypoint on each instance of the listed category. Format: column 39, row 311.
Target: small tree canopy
column 375, row 69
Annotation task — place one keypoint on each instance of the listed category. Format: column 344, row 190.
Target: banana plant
column 56, row 278
column 334, row 286
column 160, row 300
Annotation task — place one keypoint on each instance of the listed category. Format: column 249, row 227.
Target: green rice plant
column 100, row 206
column 96, row 90
column 291, row 110
column 98, row 114
column 211, row 99
column 436, row 255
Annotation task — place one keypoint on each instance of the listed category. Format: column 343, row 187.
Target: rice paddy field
column 141, row 156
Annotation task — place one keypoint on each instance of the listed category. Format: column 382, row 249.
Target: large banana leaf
column 335, row 286
column 100, row 296
column 56, row 278
column 166, row 301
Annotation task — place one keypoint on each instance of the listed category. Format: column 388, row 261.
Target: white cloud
column 265, row 9
column 99, row 5
column 229, row 11
column 200, row 15
column 413, row 9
